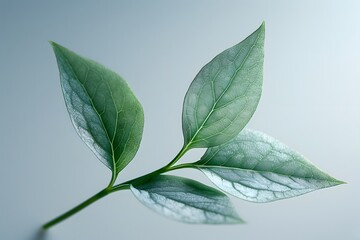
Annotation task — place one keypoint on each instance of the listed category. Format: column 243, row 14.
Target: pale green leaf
column 258, row 168
column 225, row 93
column 104, row 111
column 186, row 200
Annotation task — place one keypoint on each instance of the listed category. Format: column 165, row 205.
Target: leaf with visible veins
column 258, row 168
column 104, row 111
column 186, row 200
column 225, row 93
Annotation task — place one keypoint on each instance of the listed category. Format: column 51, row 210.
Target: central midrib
column 96, row 111
column 223, row 93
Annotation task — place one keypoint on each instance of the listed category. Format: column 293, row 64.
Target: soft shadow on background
column 310, row 101
column 40, row 234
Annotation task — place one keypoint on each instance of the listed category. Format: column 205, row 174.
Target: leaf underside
column 224, row 95
column 105, row 113
column 186, row 200
column 258, row 168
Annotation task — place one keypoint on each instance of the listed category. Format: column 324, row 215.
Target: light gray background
column 310, row 101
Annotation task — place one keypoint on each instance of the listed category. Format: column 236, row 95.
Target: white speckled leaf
column 225, row 93
column 258, row 168
column 105, row 113
column 186, row 200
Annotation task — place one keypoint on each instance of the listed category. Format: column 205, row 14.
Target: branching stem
column 122, row 186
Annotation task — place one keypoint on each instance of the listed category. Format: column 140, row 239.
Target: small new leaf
column 104, row 111
column 186, row 200
column 258, row 168
column 225, row 93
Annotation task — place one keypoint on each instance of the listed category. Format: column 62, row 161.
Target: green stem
column 178, row 156
column 113, row 179
column 147, row 177
column 122, row 186
column 181, row 166
column 82, row 205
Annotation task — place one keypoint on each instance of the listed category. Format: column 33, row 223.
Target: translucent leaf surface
column 258, row 168
column 104, row 111
column 186, row 200
column 225, row 93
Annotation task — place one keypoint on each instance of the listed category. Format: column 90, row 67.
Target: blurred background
column 310, row 102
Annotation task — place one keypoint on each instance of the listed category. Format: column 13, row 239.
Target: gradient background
column 310, row 101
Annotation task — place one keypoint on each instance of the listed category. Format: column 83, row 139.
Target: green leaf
column 225, row 93
column 258, row 168
column 186, row 200
column 104, row 111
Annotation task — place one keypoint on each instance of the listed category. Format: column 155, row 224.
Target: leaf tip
column 336, row 182
column 339, row 182
column 240, row 221
column 55, row 45
column 236, row 219
column 52, row 43
column 262, row 26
